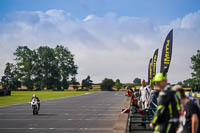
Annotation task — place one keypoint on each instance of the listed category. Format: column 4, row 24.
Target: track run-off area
column 88, row 113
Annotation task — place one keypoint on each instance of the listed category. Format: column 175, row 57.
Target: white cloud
column 108, row 46
column 88, row 18
column 188, row 22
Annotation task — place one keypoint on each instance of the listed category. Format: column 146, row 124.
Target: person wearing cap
column 167, row 114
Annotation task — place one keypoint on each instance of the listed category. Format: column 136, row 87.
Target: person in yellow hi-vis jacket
column 166, row 119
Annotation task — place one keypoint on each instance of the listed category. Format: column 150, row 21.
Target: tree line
column 40, row 68
column 50, row 68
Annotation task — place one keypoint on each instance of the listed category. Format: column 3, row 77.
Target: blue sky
column 159, row 11
column 109, row 38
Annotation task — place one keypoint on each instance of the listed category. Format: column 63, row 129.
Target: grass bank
column 24, row 96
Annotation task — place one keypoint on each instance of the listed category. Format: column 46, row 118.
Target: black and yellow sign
column 150, row 72
column 166, row 53
column 155, row 57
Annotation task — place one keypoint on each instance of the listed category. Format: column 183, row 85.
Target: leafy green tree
column 46, row 67
column 9, row 81
column 130, row 85
column 180, row 83
column 66, row 65
column 87, row 83
column 16, row 82
column 189, row 83
column 118, row 85
column 107, row 84
column 25, row 63
column 195, row 59
column 137, row 82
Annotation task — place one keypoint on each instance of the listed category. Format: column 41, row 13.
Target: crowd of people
column 175, row 112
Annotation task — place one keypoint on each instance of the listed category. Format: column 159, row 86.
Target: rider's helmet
column 34, row 96
column 159, row 77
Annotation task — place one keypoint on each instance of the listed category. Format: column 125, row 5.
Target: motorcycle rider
column 166, row 119
column 38, row 100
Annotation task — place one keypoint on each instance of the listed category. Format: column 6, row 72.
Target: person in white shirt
column 145, row 95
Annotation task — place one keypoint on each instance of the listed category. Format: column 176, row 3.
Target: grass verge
column 24, row 96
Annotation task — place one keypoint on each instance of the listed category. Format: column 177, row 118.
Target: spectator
column 128, row 92
column 191, row 122
column 179, row 87
column 144, row 95
column 154, row 96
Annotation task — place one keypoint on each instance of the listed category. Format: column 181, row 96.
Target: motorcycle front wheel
column 34, row 110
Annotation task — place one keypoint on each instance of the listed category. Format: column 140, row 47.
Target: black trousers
column 166, row 128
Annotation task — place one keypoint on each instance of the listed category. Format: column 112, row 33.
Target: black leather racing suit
column 167, row 114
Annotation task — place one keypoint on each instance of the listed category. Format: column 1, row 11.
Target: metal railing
column 143, row 118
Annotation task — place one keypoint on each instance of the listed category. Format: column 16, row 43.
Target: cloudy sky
column 109, row 38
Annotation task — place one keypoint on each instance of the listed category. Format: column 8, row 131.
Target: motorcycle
column 34, row 105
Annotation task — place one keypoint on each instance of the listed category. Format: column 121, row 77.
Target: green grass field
column 25, row 96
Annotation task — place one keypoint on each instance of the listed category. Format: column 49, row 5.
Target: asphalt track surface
column 89, row 113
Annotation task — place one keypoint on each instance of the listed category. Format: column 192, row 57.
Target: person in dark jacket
column 154, row 96
column 166, row 119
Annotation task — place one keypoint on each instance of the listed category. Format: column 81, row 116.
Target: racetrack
column 89, row 113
